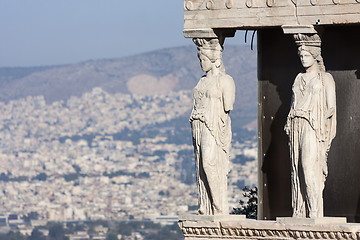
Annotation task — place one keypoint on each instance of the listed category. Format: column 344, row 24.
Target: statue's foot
column 314, row 214
column 298, row 215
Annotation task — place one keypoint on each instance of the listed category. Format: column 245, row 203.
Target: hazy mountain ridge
column 172, row 69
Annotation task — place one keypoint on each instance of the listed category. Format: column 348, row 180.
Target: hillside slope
column 150, row 73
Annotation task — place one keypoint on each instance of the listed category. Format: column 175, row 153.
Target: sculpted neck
column 313, row 69
column 214, row 71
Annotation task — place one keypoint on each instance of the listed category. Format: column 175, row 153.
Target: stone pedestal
column 307, row 221
column 237, row 227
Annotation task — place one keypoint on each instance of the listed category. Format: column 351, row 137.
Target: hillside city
column 106, row 156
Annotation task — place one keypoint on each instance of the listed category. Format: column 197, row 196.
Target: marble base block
column 197, row 227
column 323, row 220
column 212, row 218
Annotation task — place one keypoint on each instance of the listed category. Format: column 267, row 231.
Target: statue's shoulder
column 297, row 78
column 299, row 75
column 227, row 81
column 328, row 78
column 201, row 79
column 227, row 76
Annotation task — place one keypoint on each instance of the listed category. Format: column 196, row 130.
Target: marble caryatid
column 311, row 126
column 214, row 96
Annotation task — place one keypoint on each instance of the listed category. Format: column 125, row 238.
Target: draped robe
column 311, row 126
column 211, row 131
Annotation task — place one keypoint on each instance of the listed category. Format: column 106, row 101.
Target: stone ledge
column 208, row 33
column 261, row 229
column 212, row 218
column 317, row 221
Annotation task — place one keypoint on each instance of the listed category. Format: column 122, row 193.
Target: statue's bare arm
column 330, row 95
column 228, row 92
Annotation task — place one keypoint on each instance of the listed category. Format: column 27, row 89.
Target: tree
column 71, row 177
column 4, row 177
column 70, row 227
column 31, row 216
column 250, row 207
column 36, row 235
column 12, row 236
column 40, row 177
column 171, row 232
column 111, row 236
column 57, row 232
column 77, row 168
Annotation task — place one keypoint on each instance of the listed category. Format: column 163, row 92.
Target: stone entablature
column 249, row 14
column 260, row 229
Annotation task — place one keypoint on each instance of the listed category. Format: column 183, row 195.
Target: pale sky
column 50, row 32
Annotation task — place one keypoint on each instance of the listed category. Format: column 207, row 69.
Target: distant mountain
column 150, row 73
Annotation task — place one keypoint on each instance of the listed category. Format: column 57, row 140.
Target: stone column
column 214, row 96
column 311, row 127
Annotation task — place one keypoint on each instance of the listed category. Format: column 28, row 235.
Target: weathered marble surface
column 311, row 127
column 256, row 229
column 212, row 218
column 247, row 14
column 214, row 96
column 321, row 220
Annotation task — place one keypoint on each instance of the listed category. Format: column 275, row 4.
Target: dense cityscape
column 105, row 157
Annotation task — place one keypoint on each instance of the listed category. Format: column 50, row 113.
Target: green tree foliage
column 143, row 175
column 7, row 178
column 71, row 177
column 31, row 216
column 4, row 177
column 57, row 232
column 149, row 230
column 162, row 193
column 70, row 227
column 12, row 236
column 250, row 207
column 171, row 232
column 77, row 168
column 40, row 177
column 119, row 173
column 36, row 235
column 111, row 236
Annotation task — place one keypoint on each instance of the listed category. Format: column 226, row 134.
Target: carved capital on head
column 304, row 35
column 211, row 48
column 307, row 39
column 210, row 43
column 310, row 42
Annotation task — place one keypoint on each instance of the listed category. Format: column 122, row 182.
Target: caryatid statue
column 311, row 126
column 214, row 96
